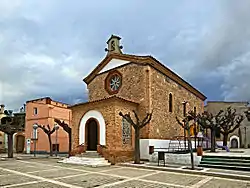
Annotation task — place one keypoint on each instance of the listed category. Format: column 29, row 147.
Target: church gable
column 124, row 81
column 116, row 59
column 113, row 63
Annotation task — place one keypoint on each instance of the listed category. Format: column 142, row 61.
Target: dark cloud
column 47, row 47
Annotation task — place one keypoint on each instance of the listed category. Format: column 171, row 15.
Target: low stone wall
column 171, row 158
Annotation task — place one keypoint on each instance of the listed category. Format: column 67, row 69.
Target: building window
column 170, row 102
column 113, row 82
column 35, row 111
column 126, row 132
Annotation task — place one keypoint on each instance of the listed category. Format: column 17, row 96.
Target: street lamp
column 35, row 126
column 56, row 128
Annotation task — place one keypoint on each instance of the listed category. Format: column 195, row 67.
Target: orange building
column 43, row 111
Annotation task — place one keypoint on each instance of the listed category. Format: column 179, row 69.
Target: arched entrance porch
column 92, row 130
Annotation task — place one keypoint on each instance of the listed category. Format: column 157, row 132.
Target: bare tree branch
column 136, row 117
column 128, row 119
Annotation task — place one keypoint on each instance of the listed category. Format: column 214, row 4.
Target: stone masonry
column 110, row 109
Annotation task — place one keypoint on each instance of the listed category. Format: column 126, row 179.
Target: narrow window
column 35, row 111
column 195, row 109
column 126, row 132
column 170, row 102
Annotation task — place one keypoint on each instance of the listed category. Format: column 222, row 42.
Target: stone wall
column 164, row 124
column 183, row 159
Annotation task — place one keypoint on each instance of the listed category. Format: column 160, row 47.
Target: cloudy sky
column 48, row 46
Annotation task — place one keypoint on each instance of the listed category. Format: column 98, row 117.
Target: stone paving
column 36, row 173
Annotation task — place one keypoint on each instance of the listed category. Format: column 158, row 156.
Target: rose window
column 113, row 82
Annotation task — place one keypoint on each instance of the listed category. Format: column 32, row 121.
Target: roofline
column 202, row 96
column 146, row 60
column 104, row 99
column 34, row 100
column 228, row 102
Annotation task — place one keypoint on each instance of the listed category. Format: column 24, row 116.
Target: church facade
column 123, row 83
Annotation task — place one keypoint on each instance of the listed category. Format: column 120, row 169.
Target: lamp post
column 35, row 126
column 184, row 103
column 56, row 128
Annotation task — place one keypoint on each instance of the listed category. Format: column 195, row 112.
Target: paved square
column 14, row 179
column 91, row 180
column 129, row 172
column 179, row 179
column 47, row 173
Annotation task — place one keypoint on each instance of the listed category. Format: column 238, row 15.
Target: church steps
column 226, row 162
column 92, row 159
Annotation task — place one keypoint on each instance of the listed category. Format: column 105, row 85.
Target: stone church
column 122, row 83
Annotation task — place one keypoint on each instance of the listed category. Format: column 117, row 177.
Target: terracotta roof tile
column 103, row 99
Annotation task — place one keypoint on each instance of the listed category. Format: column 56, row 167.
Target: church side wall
column 164, row 124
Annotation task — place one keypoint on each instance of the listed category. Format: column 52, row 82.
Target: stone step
column 86, row 161
column 230, row 160
column 225, row 157
column 226, row 162
column 90, row 155
column 241, row 168
column 223, row 163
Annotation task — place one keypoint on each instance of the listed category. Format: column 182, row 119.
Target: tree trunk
column 225, row 137
column 10, row 145
column 212, row 140
column 50, row 145
column 190, row 148
column 240, row 138
column 69, row 134
column 137, row 146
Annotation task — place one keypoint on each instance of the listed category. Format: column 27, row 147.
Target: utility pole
column 245, row 139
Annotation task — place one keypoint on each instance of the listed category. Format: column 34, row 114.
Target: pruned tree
column 47, row 130
column 67, row 129
column 184, row 123
column 247, row 114
column 208, row 121
column 11, row 124
column 228, row 122
column 137, row 125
